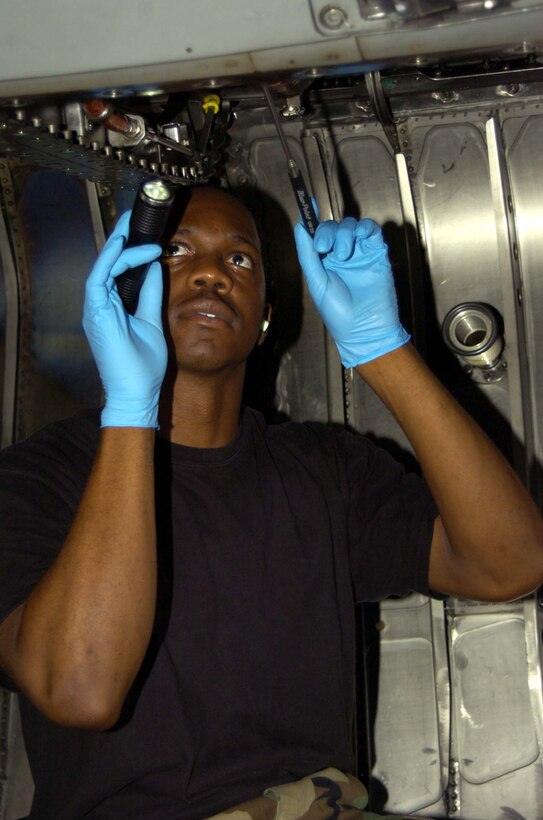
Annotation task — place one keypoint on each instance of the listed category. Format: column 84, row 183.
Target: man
column 178, row 613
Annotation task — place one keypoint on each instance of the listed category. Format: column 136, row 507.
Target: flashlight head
column 150, row 212
column 155, row 192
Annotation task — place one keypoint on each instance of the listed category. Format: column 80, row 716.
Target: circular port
column 471, row 331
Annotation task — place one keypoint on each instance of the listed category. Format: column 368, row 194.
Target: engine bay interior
column 426, row 115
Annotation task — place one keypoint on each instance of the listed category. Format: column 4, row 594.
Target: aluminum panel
column 456, row 206
column 514, row 797
column 408, row 762
column 409, row 711
column 456, row 213
column 495, row 725
column 523, row 136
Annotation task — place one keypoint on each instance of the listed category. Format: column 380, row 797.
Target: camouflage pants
column 325, row 795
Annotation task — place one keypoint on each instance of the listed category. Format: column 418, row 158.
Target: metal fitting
column 471, row 330
column 332, row 17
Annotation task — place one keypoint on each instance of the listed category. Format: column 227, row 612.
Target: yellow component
column 213, row 102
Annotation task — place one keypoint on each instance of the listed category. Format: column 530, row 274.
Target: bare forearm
column 494, row 529
column 86, row 626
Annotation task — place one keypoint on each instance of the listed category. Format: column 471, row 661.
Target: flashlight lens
column 157, row 190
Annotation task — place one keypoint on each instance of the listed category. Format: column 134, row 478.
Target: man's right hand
column 130, row 351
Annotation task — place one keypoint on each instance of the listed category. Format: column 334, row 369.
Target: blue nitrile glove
column 130, row 351
column 350, row 280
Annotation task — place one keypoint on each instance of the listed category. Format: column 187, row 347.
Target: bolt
column 292, row 111
column 52, row 128
column 509, row 90
column 20, row 115
column 36, row 122
column 445, row 96
column 333, row 17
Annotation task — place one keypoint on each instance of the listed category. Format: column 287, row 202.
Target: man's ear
column 265, row 325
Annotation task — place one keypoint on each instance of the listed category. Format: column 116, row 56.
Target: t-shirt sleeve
column 391, row 515
column 41, row 482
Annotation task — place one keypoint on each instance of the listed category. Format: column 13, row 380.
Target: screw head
column 332, row 17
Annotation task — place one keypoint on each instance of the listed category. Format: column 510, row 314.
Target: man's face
column 215, row 283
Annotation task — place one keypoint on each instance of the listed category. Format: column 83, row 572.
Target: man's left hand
column 349, row 277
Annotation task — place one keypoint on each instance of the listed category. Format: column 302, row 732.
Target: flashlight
column 147, row 225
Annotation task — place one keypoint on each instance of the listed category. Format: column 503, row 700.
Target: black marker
column 147, row 224
column 307, row 212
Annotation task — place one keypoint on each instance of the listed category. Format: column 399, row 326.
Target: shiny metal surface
column 520, row 416
column 410, row 748
column 494, row 734
column 523, row 135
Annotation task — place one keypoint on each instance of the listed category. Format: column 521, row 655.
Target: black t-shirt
column 264, row 545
